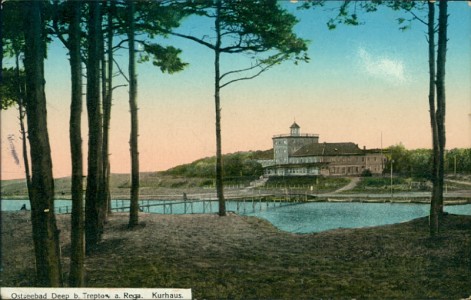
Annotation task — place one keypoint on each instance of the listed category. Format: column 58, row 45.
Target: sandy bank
column 247, row 258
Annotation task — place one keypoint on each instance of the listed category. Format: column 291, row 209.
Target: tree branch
column 118, row 45
column 118, row 86
column 55, row 27
column 417, row 18
column 241, row 70
column 193, row 39
column 121, row 71
column 248, row 77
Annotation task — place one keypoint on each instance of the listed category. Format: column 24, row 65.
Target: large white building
column 297, row 154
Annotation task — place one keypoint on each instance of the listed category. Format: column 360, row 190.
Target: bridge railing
column 204, row 206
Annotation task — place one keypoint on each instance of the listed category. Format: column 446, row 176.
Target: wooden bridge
column 240, row 205
column 205, row 206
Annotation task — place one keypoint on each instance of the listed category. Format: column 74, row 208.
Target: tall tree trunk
column 441, row 96
column 104, row 185
column 45, row 232
column 77, row 254
column 21, row 112
column 437, row 114
column 93, row 202
column 217, row 100
column 434, row 202
column 109, row 98
column 134, row 210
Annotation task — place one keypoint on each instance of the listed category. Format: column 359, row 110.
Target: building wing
column 328, row 149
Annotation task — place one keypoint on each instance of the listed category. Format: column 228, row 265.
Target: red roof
column 329, row 149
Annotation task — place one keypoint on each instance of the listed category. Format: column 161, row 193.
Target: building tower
column 286, row 144
column 295, row 129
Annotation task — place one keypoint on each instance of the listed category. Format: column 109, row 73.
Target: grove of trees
column 417, row 163
column 86, row 29
column 261, row 30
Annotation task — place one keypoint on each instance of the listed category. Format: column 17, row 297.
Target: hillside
column 239, row 169
column 236, row 165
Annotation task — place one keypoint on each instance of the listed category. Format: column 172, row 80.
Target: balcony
column 300, row 135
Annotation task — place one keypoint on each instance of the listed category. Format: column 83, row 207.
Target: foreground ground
column 247, row 258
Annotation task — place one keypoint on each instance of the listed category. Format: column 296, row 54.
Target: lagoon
column 322, row 216
column 298, row 218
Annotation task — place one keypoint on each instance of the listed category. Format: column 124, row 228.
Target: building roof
column 328, row 149
column 295, row 125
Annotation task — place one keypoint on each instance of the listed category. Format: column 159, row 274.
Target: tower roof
column 295, row 125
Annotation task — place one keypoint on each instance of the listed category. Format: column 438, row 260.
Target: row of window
column 331, row 158
column 351, row 159
column 353, row 170
column 331, row 170
column 313, row 171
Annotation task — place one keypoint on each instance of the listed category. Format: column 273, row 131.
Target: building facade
column 297, row 154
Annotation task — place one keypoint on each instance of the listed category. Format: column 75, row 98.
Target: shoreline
column 240, row 257
column 316, row 199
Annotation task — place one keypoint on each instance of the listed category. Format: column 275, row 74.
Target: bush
column 240, row 164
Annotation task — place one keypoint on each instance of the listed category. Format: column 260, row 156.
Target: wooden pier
column 205, row 206
column 242, row 205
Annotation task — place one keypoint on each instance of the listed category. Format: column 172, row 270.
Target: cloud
column 382, row 67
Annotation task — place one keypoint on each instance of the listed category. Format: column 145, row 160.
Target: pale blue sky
column 362, row 83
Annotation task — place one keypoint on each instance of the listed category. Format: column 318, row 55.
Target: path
column 351, row 185
column 458, row 182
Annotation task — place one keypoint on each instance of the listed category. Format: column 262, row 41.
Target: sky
column 366, row 84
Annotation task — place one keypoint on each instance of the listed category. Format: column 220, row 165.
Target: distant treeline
column 236, row 166
column 415, row 163
column 418, row 162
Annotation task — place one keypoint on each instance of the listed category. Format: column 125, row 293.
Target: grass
column 405, row 184
column 319, row 183
column 238, row 257
column 156, row 184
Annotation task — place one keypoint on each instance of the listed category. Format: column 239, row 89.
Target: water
column 300, row 218
column 64, row 206
column 322, row 216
